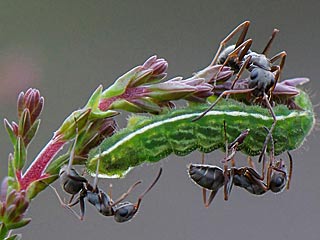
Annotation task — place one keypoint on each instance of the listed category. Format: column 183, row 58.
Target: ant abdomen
column 206, row 176
column 71, row 182
column 232, row 63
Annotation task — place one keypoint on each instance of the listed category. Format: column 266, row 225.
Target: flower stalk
column 143, row 89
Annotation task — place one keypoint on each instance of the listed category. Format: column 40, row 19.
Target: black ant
column 212, row 178
column 75, row 184
column 264, row 75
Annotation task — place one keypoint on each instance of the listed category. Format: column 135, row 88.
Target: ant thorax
column 258, row 60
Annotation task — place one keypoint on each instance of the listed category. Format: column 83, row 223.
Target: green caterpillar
column 150, row 139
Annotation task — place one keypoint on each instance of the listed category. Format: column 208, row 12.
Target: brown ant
column 75, row 184
column 264, row 75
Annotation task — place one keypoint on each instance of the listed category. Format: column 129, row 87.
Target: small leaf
column 37, row 110
column 126, row 105
column 37, row 186
column 20, row 154
column 19, row 224
column 11, row 171
column 78, row 119
column 102, row 114
column 14, row 237
column 24, row 122
column 94, row 100
column 121, row 84
column 55, row 165
column 3, row 230
column 147, row 105
column 20, row 104
column 3, row 190
column 15, row 128
column 9, row 128
column 31, row 133
column 11, row 197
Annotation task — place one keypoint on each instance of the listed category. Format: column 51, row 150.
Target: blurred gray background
column 67, row 48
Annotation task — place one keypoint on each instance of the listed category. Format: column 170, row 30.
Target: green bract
column 150, row 139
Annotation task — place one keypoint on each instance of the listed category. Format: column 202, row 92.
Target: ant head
column 279, row 177
column 124, row 212
column 262, row 80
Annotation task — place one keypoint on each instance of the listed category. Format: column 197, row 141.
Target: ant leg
column 232, row 147
column 71, row 173
column 243, row 67
column 290, row 170
column 282, row 55
column 71, row 198
column 204, row 191
column 233, row 163
column 269, row 135
column 267, row 47
column 242, row 49
column 250, row 162
column 225, row 93
column 244, row 27
column 110, row 191
column 210, row 199
column 96, row 179
column 72, row 153
column 271, row 156
column 82, row 207
column 64, row 205
column 226, row 185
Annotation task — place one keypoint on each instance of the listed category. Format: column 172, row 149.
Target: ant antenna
column 290, row 170
column 148, row 189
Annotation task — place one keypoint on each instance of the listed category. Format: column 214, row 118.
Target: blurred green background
column 67, row 48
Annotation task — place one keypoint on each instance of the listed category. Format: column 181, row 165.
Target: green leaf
column 102, row 114
column 19, row 224
column 38, row 186
column 11, row 172
column 20, row 154
column 14, row 237
column 94, row 100
column 3, row 230
column 121, row 84
column 56, row 164
column 24, row 122
column 78, row 119
column 12, row 136
column 31, row 132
